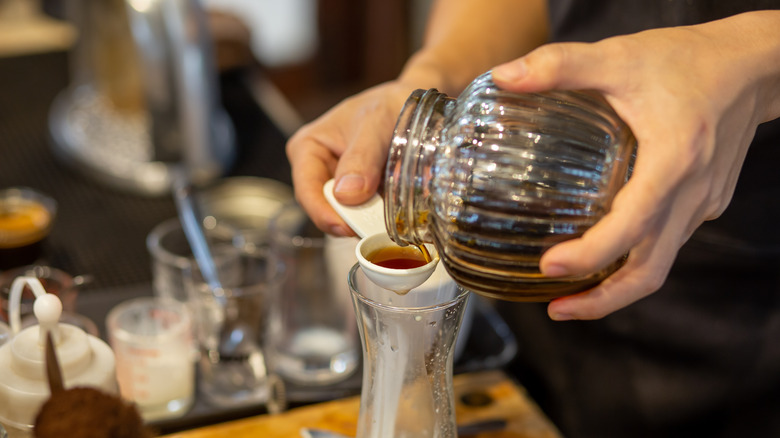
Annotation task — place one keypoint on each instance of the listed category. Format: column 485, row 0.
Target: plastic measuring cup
column 153, row 342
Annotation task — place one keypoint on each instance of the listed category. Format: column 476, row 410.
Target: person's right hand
column 348, row 143
column 693, row 97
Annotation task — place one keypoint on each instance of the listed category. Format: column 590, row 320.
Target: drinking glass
column 408, row 348
column 172, row 256
column 313, row 335
column 231, row 328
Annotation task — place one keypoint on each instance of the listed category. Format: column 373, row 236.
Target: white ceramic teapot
column 84, row 359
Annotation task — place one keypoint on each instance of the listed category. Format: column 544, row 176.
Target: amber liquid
column 23, row 225
column 398, row 257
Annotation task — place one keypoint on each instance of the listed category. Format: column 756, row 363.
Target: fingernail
column 555, row 271
column 350, row 184
column 561, row 317
column 510, row 71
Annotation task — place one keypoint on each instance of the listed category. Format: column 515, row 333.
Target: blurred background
column 315, row 51
column 104, row 102
column 278, row 64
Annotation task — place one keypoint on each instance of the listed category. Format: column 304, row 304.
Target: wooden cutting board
column 488, row 395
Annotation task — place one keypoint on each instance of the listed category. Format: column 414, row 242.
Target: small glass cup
column 313, row 336
column 152, row 338
column 172, row 256
column 26, row 218
column 231, row 329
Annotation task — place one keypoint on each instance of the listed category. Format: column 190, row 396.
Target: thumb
column 562, row 66
column 360, row 168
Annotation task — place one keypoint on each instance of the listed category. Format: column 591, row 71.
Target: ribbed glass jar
column 494, row 178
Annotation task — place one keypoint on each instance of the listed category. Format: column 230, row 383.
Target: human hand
column 693, row 97
column 348, row 143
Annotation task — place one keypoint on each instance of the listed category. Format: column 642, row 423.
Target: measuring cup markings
column 153, row 342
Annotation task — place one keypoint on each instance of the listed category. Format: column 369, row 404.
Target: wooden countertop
column 509, row 402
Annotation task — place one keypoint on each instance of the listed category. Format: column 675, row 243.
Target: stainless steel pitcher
column 143, row 103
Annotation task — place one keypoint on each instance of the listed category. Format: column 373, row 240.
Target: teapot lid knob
column 47, row 309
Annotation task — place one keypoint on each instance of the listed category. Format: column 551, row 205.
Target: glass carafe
column 495, row 178
column 408, row 344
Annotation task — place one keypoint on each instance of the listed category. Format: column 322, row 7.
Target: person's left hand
column 693, row 97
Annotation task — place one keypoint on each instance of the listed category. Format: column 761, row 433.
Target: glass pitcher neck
column 410, row 165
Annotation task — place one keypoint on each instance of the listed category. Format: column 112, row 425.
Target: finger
column 565, row 66
column 360, row 168
column 312, row 166
column 635, row 211
column 644, row 272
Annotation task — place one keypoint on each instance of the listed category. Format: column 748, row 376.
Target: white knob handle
column 47, row 309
